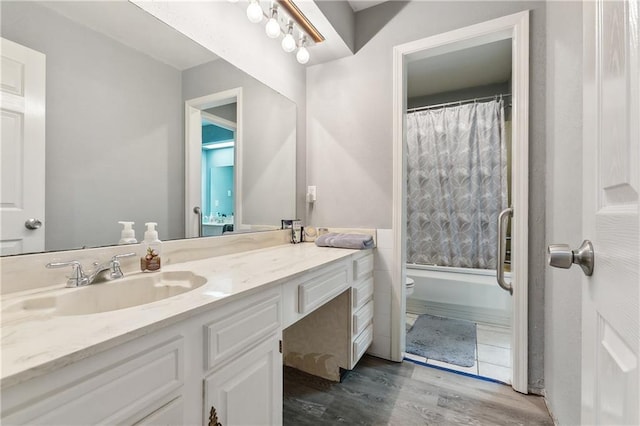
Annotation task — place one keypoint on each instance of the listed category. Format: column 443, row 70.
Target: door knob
column 561, row 256
column 32, row 223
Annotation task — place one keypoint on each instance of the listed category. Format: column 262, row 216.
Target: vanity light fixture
column 254, row 12
column 302, row 21
column 297, row 25
column 288, row 42
column 303, row 54
column 273, row 28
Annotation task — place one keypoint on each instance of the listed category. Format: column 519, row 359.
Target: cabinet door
column 248, row 390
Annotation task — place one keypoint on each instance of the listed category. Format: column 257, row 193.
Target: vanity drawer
column 361, row 343
column 362, row 267
column 362, row 293
column 123, row 391
column 242, row 328
column 318, row 290
column 362, row 318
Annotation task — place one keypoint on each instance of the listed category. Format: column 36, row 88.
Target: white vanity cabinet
column 243, row 363
column 230, row 355
column 217, row 363
column 361, row 307
column 124, row 385
column 329, row 317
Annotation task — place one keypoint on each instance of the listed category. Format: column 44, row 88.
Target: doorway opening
column 458, row 144
column 218, row 165
column 213, row 146
column 455, row 171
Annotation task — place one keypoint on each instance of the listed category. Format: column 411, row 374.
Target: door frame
column 193, row 154
column 515, row 27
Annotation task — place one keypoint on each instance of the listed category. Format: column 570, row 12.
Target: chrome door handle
column 502, row 246
column 197, row 210
column 561, row 256
column 32, row 223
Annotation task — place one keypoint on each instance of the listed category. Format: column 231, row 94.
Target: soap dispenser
column 128, row 235
column 151, row 246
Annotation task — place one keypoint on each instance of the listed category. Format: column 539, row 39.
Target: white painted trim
column 520, row 202
column 399, row 215
column 219, row 121
column 193, row 148
column 516, row 27
column 192, row 155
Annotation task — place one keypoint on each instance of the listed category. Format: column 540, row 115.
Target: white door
column 610, row 307
column 22, row 149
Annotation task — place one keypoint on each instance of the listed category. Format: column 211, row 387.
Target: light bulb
column 303, row 55
column 254, row 12
column 272, row 29
column 288, row 43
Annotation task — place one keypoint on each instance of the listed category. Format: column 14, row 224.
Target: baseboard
column 470, row 313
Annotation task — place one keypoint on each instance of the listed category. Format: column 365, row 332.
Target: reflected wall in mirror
column 263, row 188
column 116, row 84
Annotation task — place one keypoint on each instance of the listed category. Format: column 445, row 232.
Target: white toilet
column 409, row 286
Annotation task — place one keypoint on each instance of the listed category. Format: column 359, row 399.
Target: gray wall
column 113, row 132
column 249, row 50
column 563, row 294
column 349, row 129
column 269, row 140
column 342, row 18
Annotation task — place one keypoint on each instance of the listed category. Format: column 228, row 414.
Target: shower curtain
column 456, row 184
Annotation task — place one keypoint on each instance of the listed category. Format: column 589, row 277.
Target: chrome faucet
column 79, row 278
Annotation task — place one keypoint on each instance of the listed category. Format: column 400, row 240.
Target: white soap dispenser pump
column 128, row 235
column 151, row 247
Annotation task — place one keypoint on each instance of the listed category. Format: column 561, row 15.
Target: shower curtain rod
column 465, row 101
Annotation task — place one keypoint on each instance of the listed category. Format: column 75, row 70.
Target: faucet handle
column 77, row 277
column 116, row 272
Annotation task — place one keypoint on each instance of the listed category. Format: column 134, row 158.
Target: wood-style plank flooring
column 380, row 392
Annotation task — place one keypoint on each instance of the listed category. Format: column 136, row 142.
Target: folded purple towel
column 349, row 241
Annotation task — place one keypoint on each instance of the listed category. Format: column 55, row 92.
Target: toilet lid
column 410, row 282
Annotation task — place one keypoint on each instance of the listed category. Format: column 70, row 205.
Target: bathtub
column 471, row 294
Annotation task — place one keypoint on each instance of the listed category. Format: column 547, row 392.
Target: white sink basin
column 112, row 295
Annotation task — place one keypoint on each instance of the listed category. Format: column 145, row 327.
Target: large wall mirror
column 117, row 82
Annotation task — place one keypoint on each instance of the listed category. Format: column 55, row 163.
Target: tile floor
column 493, row 352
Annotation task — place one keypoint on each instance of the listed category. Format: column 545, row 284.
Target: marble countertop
column 36, row 342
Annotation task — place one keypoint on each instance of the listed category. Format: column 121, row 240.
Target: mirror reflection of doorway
column 213, row 172
column 218, row 153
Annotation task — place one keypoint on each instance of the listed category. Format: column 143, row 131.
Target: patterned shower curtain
column 456, row 184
